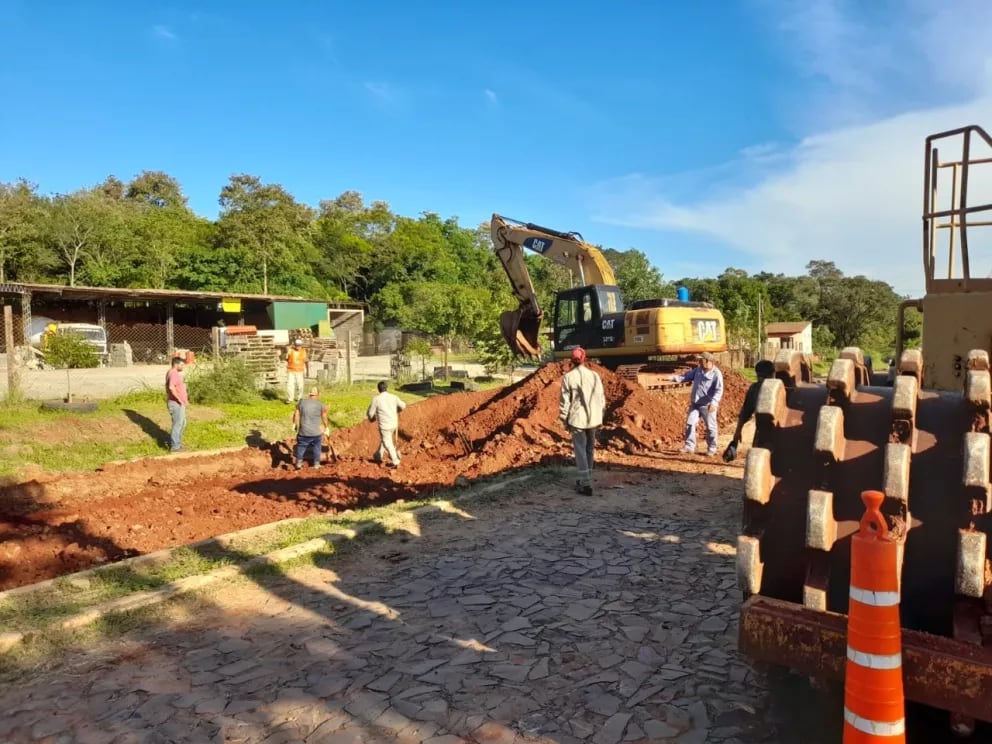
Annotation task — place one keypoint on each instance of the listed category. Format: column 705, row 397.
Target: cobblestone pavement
column 552, row 618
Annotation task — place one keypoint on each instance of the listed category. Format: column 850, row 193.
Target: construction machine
column 924, row 441
column 645, row 342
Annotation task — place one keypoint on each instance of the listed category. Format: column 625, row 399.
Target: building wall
column 798, row 341
column 343, row 321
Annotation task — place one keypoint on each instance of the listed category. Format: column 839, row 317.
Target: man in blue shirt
column 704, row 400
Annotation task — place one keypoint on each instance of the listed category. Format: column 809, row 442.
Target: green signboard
column 289, row 315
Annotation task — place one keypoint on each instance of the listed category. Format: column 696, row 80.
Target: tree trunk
column 265, row 276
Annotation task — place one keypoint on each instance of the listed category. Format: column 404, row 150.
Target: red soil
column 55, row 525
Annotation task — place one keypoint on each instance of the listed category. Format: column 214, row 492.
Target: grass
column 136, row 425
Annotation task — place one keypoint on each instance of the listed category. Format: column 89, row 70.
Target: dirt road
column 108, row 382
column 547, row 618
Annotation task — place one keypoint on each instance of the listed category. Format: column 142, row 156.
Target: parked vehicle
column 94, row 334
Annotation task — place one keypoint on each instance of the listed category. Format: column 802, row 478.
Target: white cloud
column 164, row 32
column 491, row 97
column 852, row 196
column 851, row 193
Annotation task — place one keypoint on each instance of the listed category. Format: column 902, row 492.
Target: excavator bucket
column 520, row 332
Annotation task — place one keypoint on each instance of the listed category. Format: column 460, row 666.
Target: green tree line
column 428, row 273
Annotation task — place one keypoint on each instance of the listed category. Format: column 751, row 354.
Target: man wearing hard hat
column 296, row 365
column 581, row 404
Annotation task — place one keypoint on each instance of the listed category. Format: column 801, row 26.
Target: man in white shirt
column 385, row 408
column 581, row 404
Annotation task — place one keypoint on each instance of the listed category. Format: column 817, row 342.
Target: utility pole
column 761, row 350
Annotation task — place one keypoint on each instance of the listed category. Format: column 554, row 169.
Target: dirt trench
column 54, row 525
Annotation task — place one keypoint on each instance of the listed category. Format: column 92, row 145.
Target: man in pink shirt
column 177, row 400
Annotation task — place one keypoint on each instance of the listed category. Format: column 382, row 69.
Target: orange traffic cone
column 874, row 708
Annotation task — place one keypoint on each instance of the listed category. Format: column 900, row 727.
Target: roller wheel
column 816, row 448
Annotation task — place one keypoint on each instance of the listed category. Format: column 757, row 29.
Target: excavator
column 634, row 342
column 924, row 441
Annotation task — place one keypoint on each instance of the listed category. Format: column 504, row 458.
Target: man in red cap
column 580, row 406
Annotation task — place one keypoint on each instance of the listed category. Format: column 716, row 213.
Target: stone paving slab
column 553, row 618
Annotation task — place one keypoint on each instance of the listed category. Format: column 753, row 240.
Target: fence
column 150, row 341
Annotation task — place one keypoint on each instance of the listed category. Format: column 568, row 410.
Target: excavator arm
column 521, row 327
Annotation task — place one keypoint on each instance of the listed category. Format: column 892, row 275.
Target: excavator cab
column 591, row 317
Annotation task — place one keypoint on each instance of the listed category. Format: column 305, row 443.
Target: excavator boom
column 521, row 327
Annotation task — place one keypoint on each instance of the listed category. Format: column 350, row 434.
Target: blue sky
column 760, row 136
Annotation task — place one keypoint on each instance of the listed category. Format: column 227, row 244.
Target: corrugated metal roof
column 787, row 329
column 146, row 294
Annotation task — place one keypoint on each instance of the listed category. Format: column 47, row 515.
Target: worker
column 704, row 401
column 385, row 408
column 297, row 364
column 581, row 404
column 50, row 330
column 310, row 421
column 177, row 400
column 763, row 370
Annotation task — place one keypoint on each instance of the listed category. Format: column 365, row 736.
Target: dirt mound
column 519, row 424
column 54, row 525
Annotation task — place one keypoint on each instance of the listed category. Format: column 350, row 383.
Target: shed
column 796, row 335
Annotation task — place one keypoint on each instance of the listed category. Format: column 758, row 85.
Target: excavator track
column 816, row 447
column 654, row 375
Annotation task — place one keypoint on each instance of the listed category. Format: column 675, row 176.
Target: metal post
column 347, row 358
column 26, row 316
column 8, row 337
column 170, row 334
column 760, row 354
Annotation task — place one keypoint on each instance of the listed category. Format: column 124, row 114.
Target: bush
column 226, row 381
column 70, row 351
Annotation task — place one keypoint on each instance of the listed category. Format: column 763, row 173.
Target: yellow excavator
column 633, row 341
column 925, row 442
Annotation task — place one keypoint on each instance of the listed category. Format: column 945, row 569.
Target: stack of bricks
column 261, row 355
column 327, row 360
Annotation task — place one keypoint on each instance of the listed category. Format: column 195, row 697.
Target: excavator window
column 577, row 314
column 610, row 300
column 586, row 309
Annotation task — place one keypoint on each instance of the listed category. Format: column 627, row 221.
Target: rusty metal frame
column 937, row 671
column 958, row 213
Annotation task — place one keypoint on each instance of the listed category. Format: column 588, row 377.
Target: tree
column 20, row 225
column 156, row 189
column 857, row 310
column 69, row 351
column 73, row 225
column 446, row 311
column 493, row 351
column 636, row 277
column 166, row 235
column 265, row 223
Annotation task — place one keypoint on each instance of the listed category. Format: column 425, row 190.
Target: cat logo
column 706, row 330
column 540, row 245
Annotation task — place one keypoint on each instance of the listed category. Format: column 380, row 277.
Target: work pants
column 584, row 445
column 692, row 421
